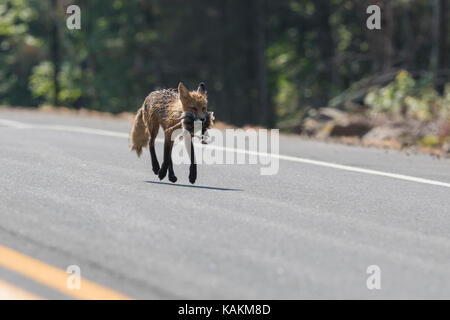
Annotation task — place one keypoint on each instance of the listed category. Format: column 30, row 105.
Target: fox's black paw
column 156, row 169
column 162, row 173
column 192, row 174
column 172, row 178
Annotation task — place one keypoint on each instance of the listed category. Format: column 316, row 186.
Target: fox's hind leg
column 153, row 133
column 167, row 162
column 172, row 177
column 155, row 163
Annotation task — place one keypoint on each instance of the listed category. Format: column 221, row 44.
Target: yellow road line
column 53, row 277
column 10, row 292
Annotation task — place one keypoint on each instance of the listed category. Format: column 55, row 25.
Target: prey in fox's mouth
column 192, row 123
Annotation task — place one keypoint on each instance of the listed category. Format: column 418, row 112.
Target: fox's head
column 194, row 101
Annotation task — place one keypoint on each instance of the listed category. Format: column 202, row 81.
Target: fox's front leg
column 172, row 177
column 193, row 166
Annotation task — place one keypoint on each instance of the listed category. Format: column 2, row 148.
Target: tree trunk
column 389, row 51
column 54, row 51
column 381, row 42
column 266, row 116
column 226, row 109
column 325, row 41
column 439, row 44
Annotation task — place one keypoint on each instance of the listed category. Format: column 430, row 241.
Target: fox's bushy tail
column 139, row 135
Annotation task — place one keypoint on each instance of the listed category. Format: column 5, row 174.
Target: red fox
column 170, row 110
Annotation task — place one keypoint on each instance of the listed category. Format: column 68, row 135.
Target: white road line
column 14, row 124
column 21, row 125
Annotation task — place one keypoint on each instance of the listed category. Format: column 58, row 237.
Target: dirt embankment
column 379, row 130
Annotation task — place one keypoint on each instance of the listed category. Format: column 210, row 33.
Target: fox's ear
column 183, row 92
column 202, row 88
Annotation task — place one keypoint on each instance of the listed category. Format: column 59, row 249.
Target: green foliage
column 405, row 96
column 430, row 141
column 19, row 50
column 15, row 16
column 42, row 85
column 391, row 98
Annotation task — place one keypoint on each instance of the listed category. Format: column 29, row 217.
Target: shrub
column 408, row 97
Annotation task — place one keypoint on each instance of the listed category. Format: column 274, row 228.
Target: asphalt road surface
column 71, row 193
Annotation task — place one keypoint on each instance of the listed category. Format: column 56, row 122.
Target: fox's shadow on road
column 193, row 186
